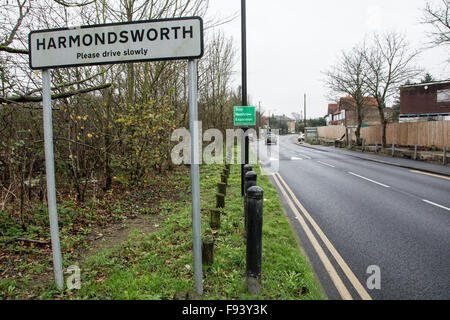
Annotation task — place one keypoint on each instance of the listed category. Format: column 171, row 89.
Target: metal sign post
column 50, row 177
column 143, row 41
column 195, row 175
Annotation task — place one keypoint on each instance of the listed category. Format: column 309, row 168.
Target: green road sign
column 244, row 116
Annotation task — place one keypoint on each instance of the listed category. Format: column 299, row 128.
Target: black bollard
column 245, row 168
column 255, row 200
column 250, row 181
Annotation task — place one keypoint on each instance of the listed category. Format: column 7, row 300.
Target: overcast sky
column 291, row 42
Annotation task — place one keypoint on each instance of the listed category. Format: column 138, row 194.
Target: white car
column 301, row 137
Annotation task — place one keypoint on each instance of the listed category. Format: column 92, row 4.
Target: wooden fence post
column 445, row 156
column 214, row 221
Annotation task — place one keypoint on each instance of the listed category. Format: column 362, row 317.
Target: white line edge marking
column 341, row 262
column 435, row 204
column 326, row 164
column 337, row 281
column 373, row 181
column 295, row 159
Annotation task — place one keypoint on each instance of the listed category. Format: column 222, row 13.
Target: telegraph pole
column 301, row 116
column 304, row 113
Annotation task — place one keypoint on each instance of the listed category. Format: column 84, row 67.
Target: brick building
column 425, row 101
column 334, row 116
column 344, row 113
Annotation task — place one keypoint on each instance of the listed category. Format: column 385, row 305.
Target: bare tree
column 297, row 116
column 389, row 65
column 135, row 10
column 439, row 18
column 20, row 85
column 348, row 77
column 11, row 28
column 216, row 69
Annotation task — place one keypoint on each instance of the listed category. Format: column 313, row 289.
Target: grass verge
column 103, row 220
column 159, row 265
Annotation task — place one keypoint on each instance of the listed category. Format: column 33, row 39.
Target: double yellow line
column 340, row 286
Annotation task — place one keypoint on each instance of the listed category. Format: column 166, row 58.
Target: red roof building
column 346, row 112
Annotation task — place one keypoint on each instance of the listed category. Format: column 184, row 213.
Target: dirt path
column 115, row 234
column 104, row 237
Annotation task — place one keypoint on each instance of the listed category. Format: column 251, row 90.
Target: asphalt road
column 351, row 214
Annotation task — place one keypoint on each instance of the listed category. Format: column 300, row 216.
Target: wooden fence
column 426, row 133
column 331, row 132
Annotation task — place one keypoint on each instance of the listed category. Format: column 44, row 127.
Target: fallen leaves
column 99, row 236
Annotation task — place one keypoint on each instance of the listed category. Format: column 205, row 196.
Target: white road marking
column 373, row 181
column 305, row 156
column 295, row 158
column 326, row 164
column 435, row 204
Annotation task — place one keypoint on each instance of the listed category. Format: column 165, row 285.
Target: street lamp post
column 305, row 109
column 244, row 87
column 259, row 132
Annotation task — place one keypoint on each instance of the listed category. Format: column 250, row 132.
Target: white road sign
column 165, row 39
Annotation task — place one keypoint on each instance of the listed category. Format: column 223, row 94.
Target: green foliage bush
column 145, row 130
